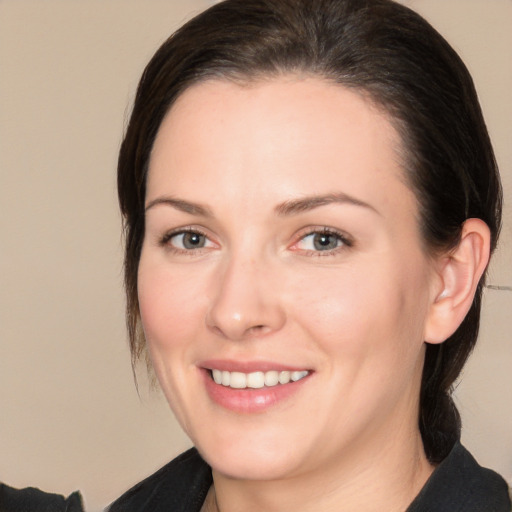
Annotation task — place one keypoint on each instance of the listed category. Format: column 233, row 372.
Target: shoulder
column 181, row 485
column 31, row 499
column 460, row 484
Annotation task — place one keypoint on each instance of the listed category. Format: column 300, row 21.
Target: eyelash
column 167, row 237
column 344, row 240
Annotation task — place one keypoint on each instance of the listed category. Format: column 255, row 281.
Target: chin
column 251, row 466
column 244, row 458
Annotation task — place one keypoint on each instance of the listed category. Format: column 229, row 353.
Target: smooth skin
column 279, row 227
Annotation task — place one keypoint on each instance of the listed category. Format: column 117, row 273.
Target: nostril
column 256, row 329
column 216, row 330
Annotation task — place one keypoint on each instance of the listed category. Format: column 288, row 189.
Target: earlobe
column 459, row 271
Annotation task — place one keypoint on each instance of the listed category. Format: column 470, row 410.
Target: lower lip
column 250, row 400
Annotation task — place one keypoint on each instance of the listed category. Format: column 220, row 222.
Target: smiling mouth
column 256, row 380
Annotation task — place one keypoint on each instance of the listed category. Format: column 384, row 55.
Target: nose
column 246, row 301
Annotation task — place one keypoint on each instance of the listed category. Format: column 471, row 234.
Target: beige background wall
column 70, row 417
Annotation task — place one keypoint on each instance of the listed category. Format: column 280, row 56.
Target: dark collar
column 459, row 484
column 180, row 486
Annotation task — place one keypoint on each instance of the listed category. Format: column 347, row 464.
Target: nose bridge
column 246, row 301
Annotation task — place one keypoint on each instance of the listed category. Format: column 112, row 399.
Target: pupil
column 193, row 240
column 324, row 241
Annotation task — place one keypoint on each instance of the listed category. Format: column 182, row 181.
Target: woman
column 311, row 199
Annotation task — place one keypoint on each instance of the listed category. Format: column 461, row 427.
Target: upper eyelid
column 167, row 235
column 324, row 229
column 186, row 229
column 347, row 242
column 347, row 239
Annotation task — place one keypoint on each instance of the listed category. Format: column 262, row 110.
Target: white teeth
column 238, row 380
column 217, row 376
column 295, row 376
column 256, row 380
column 271, row 378
column 284, row 377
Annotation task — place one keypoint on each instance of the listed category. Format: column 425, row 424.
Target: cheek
column 370, row 312
column 169, row 306
column 370, row 344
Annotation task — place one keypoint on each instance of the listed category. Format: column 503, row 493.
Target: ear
column 459, row 271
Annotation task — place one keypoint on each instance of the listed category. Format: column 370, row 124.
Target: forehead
column 293, row 135
column 286, row 99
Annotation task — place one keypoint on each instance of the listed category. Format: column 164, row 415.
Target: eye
column 324, row 240
column 187, row 240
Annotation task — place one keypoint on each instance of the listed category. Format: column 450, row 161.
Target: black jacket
column 458, row 484
column 31, row 499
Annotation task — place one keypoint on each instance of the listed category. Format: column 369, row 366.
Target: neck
column 380, row 479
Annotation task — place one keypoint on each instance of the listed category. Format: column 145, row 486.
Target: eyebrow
column 292, row 207
column 308, row 203
column 181, row 205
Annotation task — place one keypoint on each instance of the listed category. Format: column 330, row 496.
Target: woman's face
column 282, row 243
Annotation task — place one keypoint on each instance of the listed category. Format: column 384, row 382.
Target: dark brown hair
column 394, row 57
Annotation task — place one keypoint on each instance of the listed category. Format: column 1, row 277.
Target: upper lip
column 248, row 366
